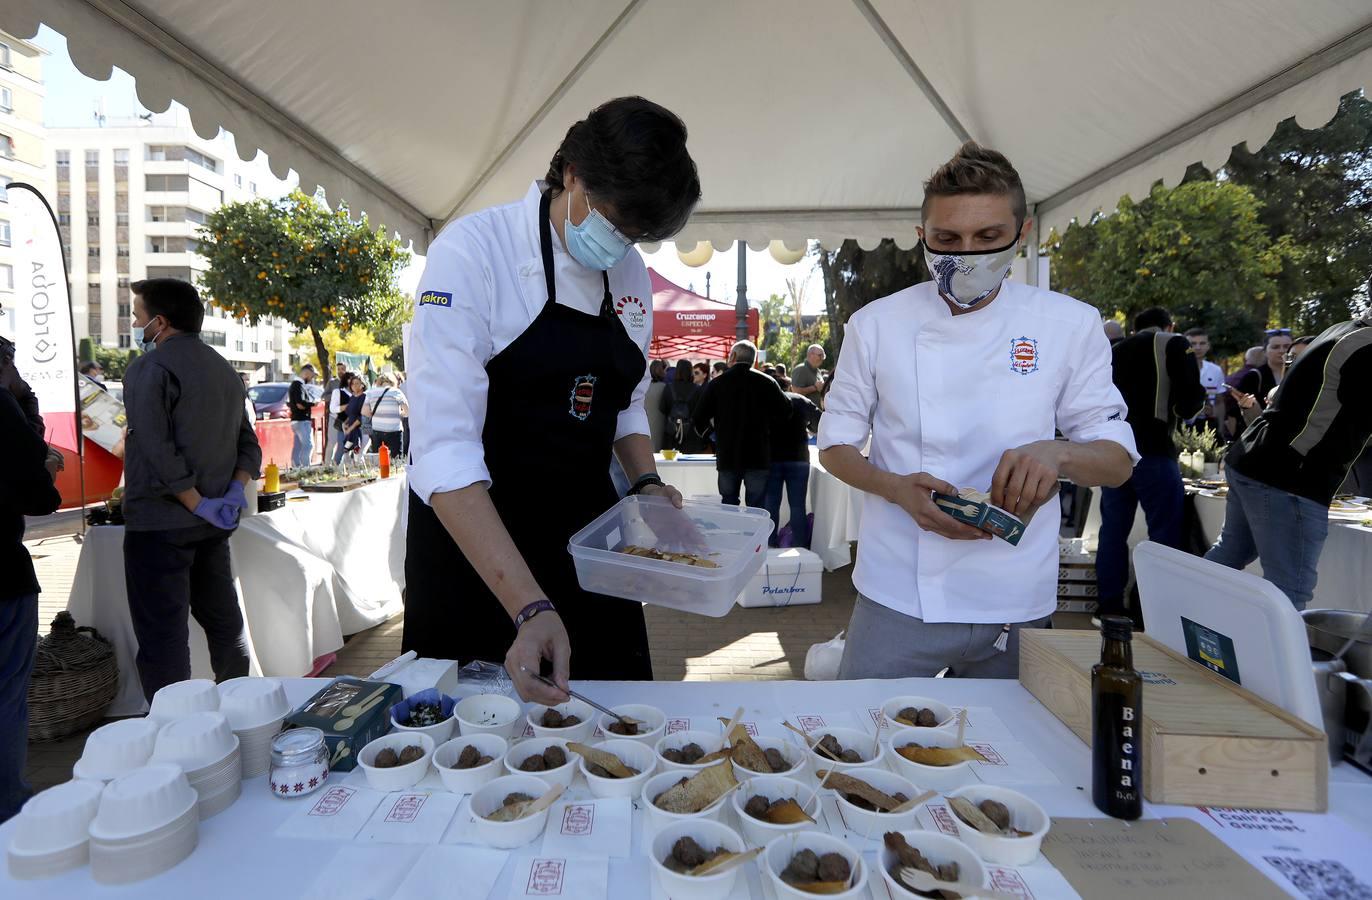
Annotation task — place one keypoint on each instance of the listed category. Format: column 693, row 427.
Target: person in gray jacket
column 189, row 454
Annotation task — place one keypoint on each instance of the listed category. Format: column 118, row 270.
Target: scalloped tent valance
column 809, row 118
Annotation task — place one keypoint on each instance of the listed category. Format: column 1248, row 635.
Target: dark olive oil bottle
column 1117, row 723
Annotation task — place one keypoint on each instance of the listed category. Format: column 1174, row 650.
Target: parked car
column 269, row 398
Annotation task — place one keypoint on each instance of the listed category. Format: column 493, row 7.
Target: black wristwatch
column 644, row 481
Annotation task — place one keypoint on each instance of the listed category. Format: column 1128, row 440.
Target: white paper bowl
column 848, row 739
column 795, row 754
column 487, row 714
column 896, row 704
column 580, row 733
column 941, row 778
column 661, row 818
column 707, row 741
column 562, row 775
column 195, row 741
column 439, row 732
column 465, row 781
column 183, row 698
column 779, row 852
column 508, row 835
column 117, row 748
column 874, row 824
column 397, row 778
column 709, row 834
column 631, row 753
column 773, row 787
column 252, row 703
column 939, row 849
column 125, row 862
column 57, row 819
column 142, row 801
column 654, row 723
column 1025, row 815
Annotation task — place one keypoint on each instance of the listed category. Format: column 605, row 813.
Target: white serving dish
column 941, row 778
column 580, row 733
column 631, row 753
column 255, row 746
column 793, row 753
column 562, row 775
column 397, row 778
column 848, row 739
column 143, row 801
column 779, row 852
column 874, row 824
column 654, row 723
column 183, row 698
column 773, row 787
column 195, row 741
column 508, row 835
column 465, row 781
column 661, row 818
column 253, row 703
column 706, row 740
column 896, row 704
column 487, row 714
column 56, row 820
column 708, row 833
column 735, row 539
column 136, row 859
column 1025, row 815
column 117, row 748
column 939, row 849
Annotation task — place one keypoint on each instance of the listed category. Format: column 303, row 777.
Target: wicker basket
column 74, row 679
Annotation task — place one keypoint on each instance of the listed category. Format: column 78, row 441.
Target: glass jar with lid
column 300, row 762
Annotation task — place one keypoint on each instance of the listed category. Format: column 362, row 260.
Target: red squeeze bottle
column 384, row 458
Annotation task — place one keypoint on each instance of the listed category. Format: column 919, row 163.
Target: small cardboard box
column 789, row 577
column 988, row 518
column 351, row 712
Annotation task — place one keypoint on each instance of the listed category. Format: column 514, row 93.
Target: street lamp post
column 741, row 304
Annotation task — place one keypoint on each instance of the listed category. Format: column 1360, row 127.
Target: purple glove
column 235, row 496
column 219, row 512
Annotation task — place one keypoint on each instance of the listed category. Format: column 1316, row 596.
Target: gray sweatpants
column 883, row 643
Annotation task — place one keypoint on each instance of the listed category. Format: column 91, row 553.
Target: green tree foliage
column 854, row 277
column 1316, row 187
column 113, row 361
column 778, row 330
column 1197, row 249
column 393, row 311
column 297, row 260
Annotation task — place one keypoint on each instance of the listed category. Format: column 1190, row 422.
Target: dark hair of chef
column 630, row 153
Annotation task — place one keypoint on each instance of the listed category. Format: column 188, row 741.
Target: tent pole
column 741, row 304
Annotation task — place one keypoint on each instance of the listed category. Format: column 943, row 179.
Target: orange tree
column 300, row 261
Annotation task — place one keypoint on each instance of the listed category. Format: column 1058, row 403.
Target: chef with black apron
column 527, row 369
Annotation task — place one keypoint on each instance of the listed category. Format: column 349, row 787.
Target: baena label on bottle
column 1118, row 763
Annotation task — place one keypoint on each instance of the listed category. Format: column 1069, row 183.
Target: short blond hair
column 385, row 380
column 975, row 169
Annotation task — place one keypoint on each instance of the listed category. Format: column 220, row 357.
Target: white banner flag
column 40, row 309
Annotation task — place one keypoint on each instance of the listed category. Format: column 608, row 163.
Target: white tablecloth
column 239, row 855
column 836, row 506
column 307, row 575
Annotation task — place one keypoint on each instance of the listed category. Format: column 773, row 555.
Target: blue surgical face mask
column 595, row 243
column 147, row 345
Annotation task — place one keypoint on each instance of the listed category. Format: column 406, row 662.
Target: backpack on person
column 679, row 416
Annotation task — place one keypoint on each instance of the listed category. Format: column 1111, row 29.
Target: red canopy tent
column 689, row 326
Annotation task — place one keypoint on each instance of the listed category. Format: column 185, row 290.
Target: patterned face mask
column 966, row 279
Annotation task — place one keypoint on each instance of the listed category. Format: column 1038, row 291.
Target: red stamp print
column 546, row 877
column 406, row 808
column 676, row 725
column 578, row 819
column 750, row 728
column 992, row 757
column 1010, row 881
column 809, row 723
column 943, row 819
column 333, row 801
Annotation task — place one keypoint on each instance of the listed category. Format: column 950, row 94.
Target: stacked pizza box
column 1076, row 577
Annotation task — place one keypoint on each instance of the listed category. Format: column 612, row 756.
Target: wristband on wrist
column 644, row 481
column 532, row 610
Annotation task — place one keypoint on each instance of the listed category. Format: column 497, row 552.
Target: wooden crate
column 1206, row 741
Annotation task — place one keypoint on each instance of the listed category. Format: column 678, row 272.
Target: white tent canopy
column 808, row 118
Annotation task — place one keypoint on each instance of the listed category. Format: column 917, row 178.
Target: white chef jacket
column 948, row 395
column 482, row 287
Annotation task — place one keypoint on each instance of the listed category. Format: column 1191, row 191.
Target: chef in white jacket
column 528, row 363
column 960, row 382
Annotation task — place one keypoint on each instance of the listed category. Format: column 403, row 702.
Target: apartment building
column 131, row 196
column 23, row 150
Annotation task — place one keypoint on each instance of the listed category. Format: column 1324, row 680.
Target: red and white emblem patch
column 1024, row 355
column 583, row 393
column 632, row 311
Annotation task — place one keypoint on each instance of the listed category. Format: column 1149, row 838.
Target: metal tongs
column 627, row 720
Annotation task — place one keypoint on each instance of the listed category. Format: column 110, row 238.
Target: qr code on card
column 1321, row 879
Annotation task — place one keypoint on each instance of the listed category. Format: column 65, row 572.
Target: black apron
column 552, row 407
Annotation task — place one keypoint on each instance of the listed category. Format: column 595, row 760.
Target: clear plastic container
column 735, row 539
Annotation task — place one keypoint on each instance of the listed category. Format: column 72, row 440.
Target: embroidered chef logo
column 632, row 310
column 583, row 392
column 1024, row 355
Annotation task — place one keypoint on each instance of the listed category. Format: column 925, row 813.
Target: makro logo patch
column 436, row 298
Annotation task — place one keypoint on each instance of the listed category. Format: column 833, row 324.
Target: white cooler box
column 788, row 578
